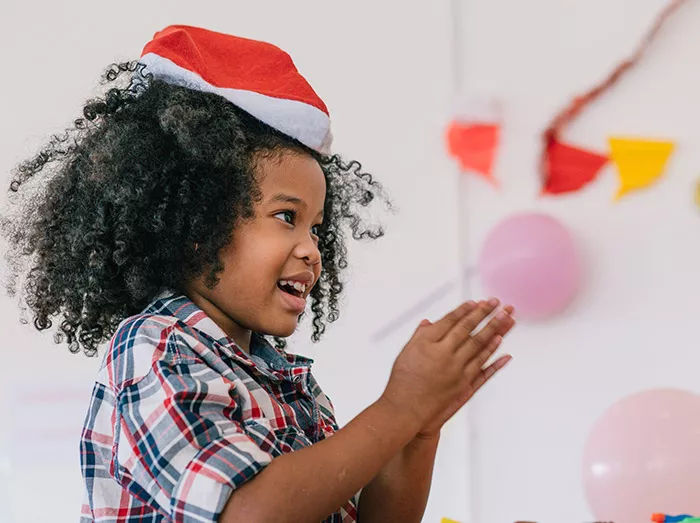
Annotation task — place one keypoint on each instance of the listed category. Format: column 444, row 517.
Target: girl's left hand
column 432, row 429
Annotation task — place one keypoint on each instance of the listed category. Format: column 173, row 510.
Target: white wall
column 384, row 70
column 633, row 327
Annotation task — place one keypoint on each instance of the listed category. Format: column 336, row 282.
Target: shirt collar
column 177, row 304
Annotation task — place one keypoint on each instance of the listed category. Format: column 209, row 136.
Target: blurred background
column 392, row 74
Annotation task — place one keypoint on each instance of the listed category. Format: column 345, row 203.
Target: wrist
column 433, row 435
column 403, row 416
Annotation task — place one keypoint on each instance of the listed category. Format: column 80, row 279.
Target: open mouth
column 294, row 288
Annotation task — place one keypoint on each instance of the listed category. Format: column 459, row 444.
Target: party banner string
column 550, row 136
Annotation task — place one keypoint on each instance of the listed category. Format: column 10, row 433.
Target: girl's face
column 273, row 260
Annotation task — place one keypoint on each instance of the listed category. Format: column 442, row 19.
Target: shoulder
column 138, row 345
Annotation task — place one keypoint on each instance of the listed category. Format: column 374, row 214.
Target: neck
column 242, row 339
column 237, row 332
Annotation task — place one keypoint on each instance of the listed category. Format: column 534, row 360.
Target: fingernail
column 493, row 302
column 502, row 315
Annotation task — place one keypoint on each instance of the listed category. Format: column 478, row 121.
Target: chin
column 282, row 329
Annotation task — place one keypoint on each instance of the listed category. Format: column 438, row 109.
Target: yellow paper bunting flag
column 639, row 162
column 448, row 520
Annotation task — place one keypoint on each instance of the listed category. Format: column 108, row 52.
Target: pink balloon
column 643, row 456
column 529, row 261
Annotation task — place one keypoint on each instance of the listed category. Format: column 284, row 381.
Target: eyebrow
column 286, row 198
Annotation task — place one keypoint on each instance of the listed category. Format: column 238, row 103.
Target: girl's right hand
column 441, row 366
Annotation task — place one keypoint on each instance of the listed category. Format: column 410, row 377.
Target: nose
column 307, row 250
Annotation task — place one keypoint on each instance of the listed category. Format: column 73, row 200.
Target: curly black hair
column 151, row 170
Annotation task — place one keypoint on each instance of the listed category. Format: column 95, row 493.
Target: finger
column 462, row 329
column 488, row 373
column 474, row 363
column 500, row 322
column 438, row 329
column 479, row 381
column 506, row 327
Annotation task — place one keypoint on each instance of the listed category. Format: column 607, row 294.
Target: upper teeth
column 301, row 287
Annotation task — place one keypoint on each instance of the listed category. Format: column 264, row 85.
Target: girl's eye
column 287, row 216
column 315, row 230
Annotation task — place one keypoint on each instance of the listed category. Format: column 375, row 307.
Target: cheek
column 262, row 265
column 261, row 248
column 248, row 268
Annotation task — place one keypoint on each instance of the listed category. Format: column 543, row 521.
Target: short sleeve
column 180, row 443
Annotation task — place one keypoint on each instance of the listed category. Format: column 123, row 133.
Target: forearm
column 400, row 491
column 309, row 484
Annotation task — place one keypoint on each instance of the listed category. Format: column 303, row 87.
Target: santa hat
column 256, row 76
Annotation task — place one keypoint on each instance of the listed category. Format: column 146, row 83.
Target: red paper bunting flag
column 569, row 168
column 552, row 180
column 474, row 145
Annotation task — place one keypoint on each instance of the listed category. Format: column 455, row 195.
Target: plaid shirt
column 180, row 417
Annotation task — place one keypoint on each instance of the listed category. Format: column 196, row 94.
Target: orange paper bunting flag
column 569, row 168
column 639, row 162
column 474, row 145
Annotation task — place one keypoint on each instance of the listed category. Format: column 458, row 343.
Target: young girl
column 190, row 217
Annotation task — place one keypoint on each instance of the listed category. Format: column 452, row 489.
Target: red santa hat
column 258, row 77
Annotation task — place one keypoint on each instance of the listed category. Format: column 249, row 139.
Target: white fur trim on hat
column 301, row 121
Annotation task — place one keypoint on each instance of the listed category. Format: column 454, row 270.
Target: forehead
column 292, row 173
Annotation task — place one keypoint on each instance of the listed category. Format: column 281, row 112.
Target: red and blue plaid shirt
column 180, row 417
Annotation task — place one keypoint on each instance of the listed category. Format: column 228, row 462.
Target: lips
column 291, row 302
column 294, row 289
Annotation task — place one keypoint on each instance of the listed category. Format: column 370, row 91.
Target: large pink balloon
column 530, row 261
column 643, row 456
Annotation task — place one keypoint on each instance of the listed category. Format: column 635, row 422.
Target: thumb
column 419, row 330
